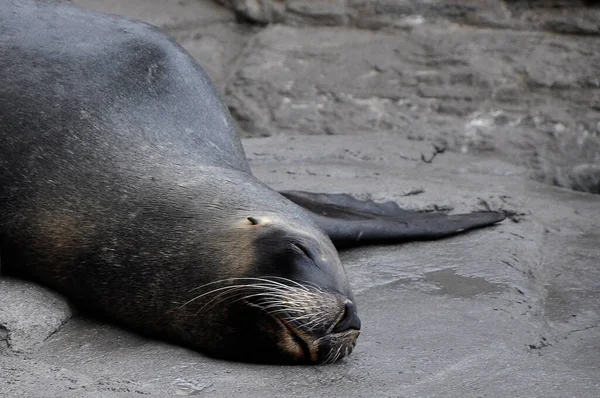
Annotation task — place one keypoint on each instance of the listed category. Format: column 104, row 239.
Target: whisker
column 207, row 293
column 214, row 301
column 314, row 322
column 337, row 354
column 275, row 288
column 266, row 279
column 292, row 281
column 218, row 290
column 300, row 302
column 226, row 295
column 252, row 296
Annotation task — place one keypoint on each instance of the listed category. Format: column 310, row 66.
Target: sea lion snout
column 349, row 320
column 318, row 330
column 309, row 301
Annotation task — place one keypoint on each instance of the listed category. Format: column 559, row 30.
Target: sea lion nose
column 350, row 319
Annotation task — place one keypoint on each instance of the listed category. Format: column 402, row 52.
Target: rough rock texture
column 449, row 105
column 561, row 16
column 472, row 75
column 28, row 314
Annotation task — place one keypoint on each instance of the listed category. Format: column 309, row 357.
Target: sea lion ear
column 258, row 220
column 352, row 222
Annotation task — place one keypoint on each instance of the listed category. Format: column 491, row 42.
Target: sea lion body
column 124, row 185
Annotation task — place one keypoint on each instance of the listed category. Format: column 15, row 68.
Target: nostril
column 350, row 319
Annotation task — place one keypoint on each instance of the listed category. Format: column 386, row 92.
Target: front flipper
column 352, row 222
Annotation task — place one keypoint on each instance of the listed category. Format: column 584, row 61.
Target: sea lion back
column 100, row 83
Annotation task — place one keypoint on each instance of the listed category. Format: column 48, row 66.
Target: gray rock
column 464, row 89
column 166, row 15
column 260, row 11
column 28, row 314
column 573, row 17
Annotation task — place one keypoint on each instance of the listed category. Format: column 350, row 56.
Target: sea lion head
column 305, row 293
column 280, row 293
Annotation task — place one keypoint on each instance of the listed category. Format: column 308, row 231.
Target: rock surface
column 560, row 16
column 505, row 311
column 472, row 75
column 28, row 314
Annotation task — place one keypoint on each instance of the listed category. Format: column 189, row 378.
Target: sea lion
column 124, row 185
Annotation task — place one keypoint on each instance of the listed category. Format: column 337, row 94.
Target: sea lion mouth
column 305, row 347
column 336, row 346
column 308, row 349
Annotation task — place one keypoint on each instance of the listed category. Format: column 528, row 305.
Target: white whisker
column 276, row 289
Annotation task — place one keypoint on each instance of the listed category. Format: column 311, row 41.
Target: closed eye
column 308, row 254
column 300, row 249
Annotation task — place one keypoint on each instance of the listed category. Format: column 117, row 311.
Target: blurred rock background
column 520, row 79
